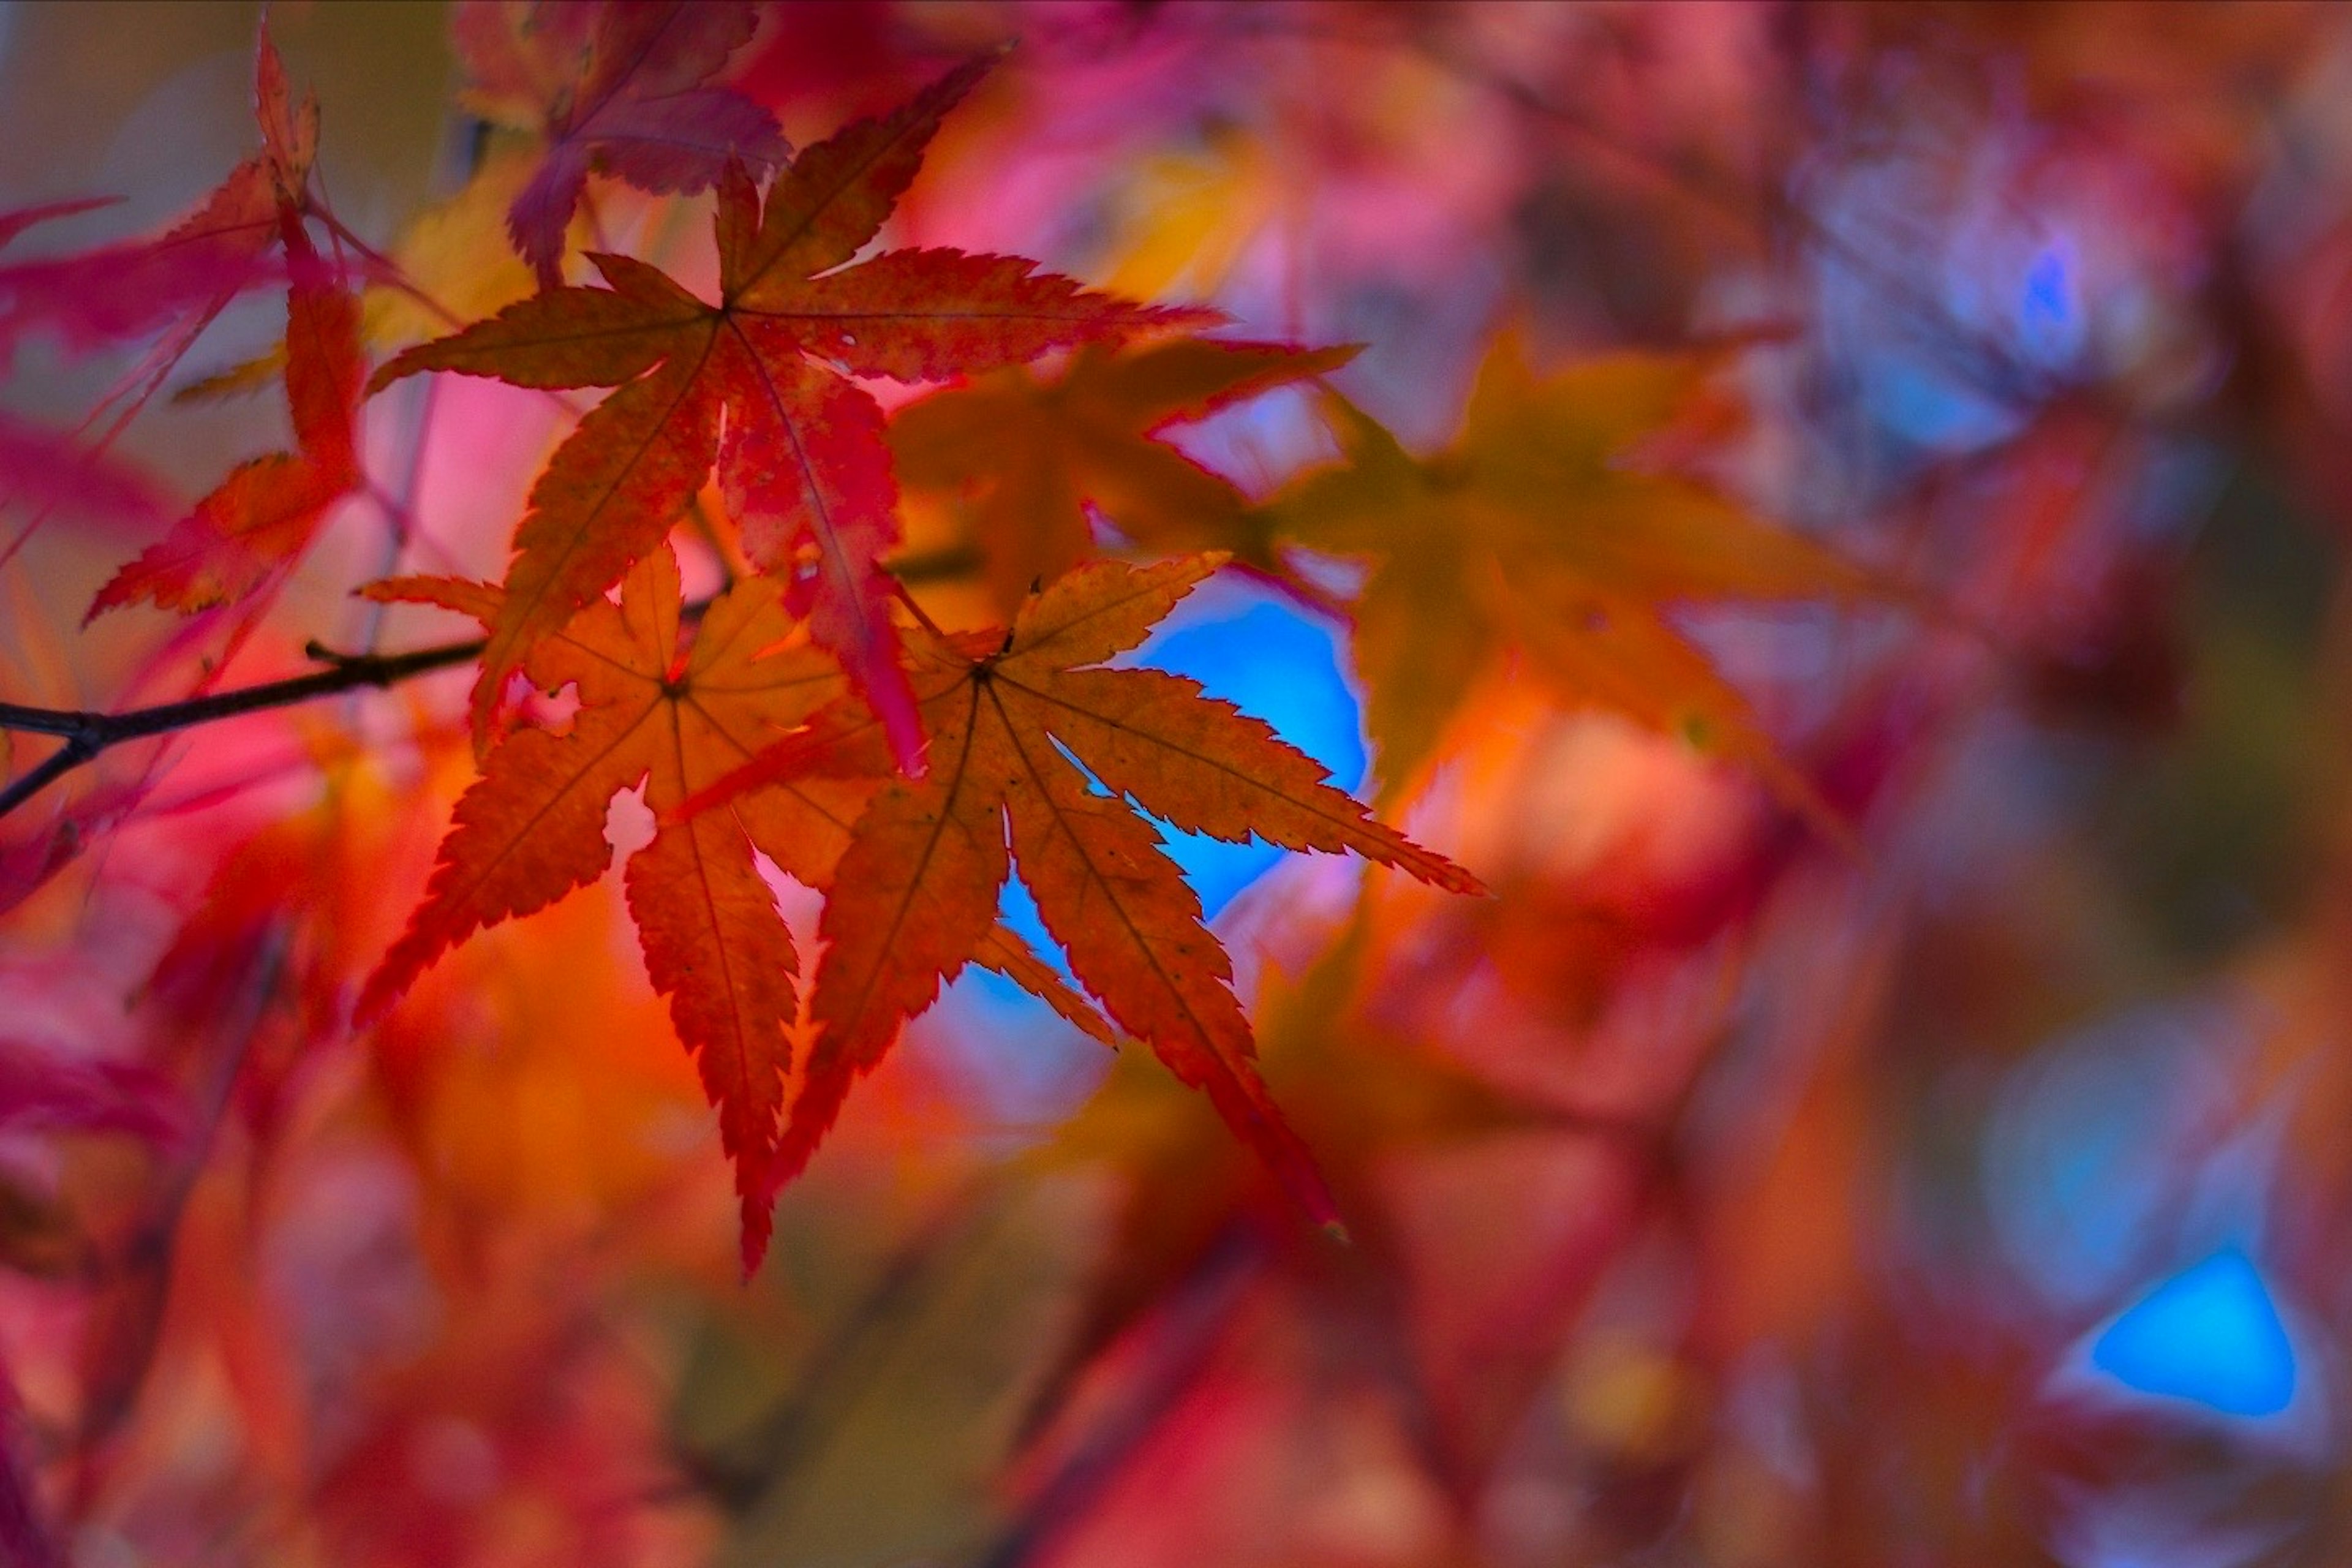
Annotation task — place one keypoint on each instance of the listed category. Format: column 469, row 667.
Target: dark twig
column 86, row 735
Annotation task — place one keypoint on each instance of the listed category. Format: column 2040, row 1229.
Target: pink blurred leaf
column 189, row 273
column 45, row 469
column 15, row 223
column 41, row 1090
column 120, row 292
column 619, row 88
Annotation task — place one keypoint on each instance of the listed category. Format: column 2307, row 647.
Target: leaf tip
column 112, row 595
column 384, row 986
column 759, row 1227
column 390, row 371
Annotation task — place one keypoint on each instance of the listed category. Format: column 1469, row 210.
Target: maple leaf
column 1038, row 452
column 915, row 892
column 1532, row 533
column 262, row 516
column 751, row 381
column 673, row 712
column 617, row 89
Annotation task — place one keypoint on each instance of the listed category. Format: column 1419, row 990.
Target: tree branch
column 88, row 735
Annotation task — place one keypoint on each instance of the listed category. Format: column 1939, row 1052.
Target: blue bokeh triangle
column 2208, row 1334
column 1273, row 663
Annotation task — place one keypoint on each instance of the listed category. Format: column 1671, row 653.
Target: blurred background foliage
column 1977, row 1192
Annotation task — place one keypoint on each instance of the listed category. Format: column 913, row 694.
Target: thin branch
column 88, row 735
column 51, row 770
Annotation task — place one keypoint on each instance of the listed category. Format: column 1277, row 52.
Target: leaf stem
column 898, row 590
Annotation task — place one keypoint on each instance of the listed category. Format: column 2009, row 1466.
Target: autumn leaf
column 670, row 705
column 1533, row 533
column 916, row 893
column 801, row 460
column 262, row 516
column 449, row 265
column 182, row 279
column 1037, row 452
column 619, row 88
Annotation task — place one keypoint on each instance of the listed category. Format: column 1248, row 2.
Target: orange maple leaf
column 1036, row 453
column 756, row 382
column 671, row 712
column 673, row 705
column 915, row 894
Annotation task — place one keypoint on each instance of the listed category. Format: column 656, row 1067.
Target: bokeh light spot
column 1261, row 654
column 2049, row 306
column 1273, row 664
column 2210, row 1334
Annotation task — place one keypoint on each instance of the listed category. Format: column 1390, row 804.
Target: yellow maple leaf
column 1532, row 534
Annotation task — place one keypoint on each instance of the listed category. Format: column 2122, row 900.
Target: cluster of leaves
column 757, row 388
column 754, row 384
column 838, row 577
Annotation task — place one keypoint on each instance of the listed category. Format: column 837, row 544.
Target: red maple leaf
column 758, row 382
column 672, row 704
column 181, row 280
